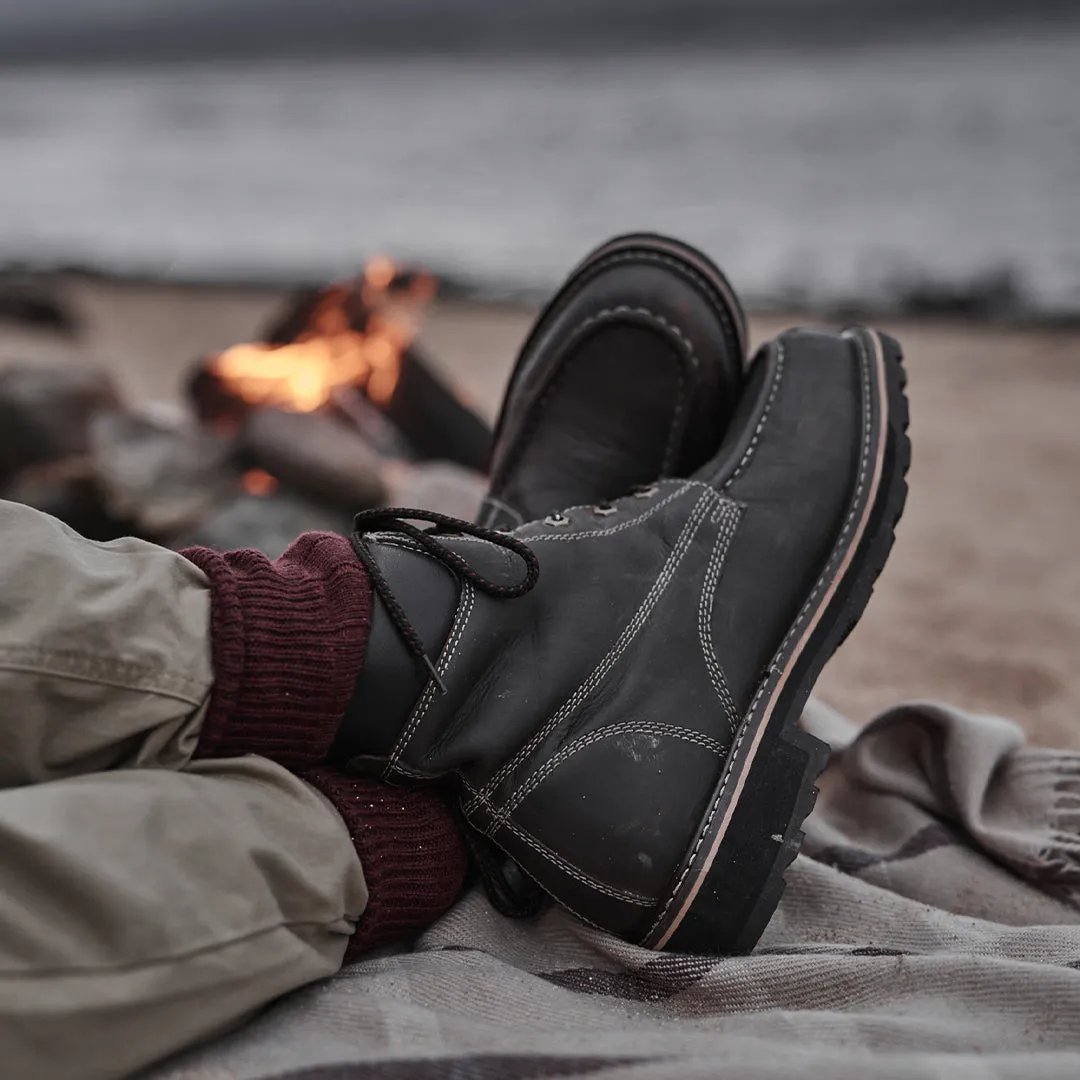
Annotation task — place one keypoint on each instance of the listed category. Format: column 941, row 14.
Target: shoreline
column 980, row 602
column 477, row 31
column 993, row 298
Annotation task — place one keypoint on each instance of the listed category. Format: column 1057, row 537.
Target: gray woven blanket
column 931, row 927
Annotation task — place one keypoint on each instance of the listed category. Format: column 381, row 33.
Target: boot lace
column 398, row 519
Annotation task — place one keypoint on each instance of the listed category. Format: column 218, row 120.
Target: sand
column 980, row 602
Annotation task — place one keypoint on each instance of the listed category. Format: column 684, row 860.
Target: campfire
column 355, row 336
column 348, row 352
column 332, row 409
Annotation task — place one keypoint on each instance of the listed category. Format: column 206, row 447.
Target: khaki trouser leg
column 104, row 652
column 156, row 903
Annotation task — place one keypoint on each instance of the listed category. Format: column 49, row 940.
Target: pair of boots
column 610, row 667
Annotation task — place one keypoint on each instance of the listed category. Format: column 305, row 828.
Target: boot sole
column 731, row 879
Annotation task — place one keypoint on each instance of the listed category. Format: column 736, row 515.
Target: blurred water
column 823, row 173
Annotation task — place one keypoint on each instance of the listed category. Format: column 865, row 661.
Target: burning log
column 436, row 422
column 314, row 453
column 368, row 420
column 352, row 336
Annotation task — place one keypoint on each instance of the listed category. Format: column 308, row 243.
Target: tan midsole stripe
column 879, row 465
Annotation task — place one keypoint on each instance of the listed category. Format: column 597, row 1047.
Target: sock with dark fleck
column 410, row 847
column 288, row 638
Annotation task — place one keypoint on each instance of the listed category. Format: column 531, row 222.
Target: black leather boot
column 615, row 690
column 630, row 373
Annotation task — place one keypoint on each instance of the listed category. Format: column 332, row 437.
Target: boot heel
column 744, row 884
column 733, row 877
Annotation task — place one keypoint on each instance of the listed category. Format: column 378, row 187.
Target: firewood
column 315, row 454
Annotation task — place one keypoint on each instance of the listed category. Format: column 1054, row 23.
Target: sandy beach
column 980, row 603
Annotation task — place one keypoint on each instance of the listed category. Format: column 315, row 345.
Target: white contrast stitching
column 683, row 487
column 571, row 870
column 629, row 727
column 504, row 508
column 461, row 620
column 414, row 773
column 630, row 631
column 402, row 542
column 705, row 612
column 468, row 787
column 718, row 296
column 837, row 553
column 530, row 422
column 778, row 373
column 680, row 400
column 629, row 898
column 590, row 534
column 716, row 803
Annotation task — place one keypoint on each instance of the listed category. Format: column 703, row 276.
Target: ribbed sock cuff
column 410, row 847
column 288, row 639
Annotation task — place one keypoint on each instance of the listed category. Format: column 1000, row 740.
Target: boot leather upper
column 629, row 375
column 588, row 722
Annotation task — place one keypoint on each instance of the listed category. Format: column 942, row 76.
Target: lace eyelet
column 645, row 491
column 557, row 521
column 604, row 510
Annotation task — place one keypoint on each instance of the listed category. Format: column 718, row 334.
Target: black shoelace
column 398, row 519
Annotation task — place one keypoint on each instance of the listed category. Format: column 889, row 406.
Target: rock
column 996, row 293
column 68, row 491
column 163, row 476
column 315, row 454
column 268, row 523
column 45, row 413
column 442, row 486
column 29, row 303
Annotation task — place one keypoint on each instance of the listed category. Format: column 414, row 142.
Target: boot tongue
column 391, row 681
column 417, row 576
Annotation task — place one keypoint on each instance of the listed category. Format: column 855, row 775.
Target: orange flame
column 303, row 374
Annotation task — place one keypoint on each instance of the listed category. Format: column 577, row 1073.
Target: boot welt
column 732, row 876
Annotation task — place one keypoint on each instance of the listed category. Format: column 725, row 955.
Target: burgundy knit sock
column 288, row 639
column 411, row 848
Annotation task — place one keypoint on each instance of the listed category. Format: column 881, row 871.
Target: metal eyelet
column 558, row 521
column 604, row 510
column 645, row 491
